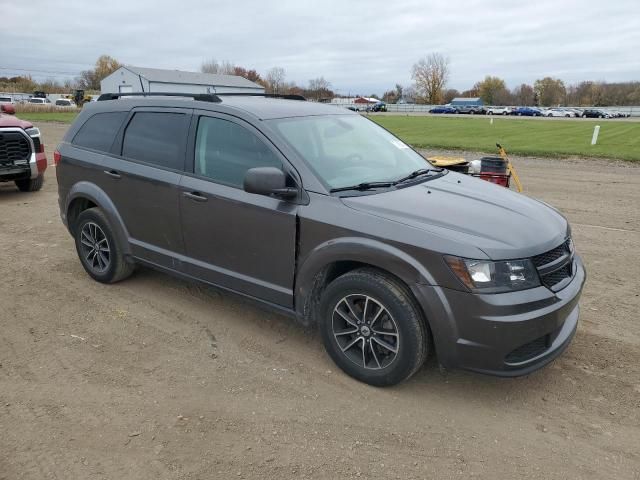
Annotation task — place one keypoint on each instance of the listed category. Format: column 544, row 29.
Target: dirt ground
column 158, row 378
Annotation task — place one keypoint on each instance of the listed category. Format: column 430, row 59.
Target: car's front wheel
column 372, row 328
column 99, row 253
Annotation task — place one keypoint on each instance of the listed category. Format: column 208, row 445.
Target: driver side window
column 226, row 150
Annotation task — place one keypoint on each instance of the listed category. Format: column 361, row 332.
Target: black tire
column 392, row 309
column 103, row 267
column 489, row 113
column 30, row 184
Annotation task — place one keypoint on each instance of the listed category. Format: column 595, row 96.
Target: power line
column 17, row 69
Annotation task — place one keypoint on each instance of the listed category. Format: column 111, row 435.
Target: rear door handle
column 113, row 174
column 196, row 196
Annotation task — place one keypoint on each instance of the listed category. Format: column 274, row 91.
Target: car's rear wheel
column 489, row 113
column 372, row 328
column 99, row 253
column 30, row 184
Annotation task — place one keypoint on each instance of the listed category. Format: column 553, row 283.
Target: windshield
column 348, row 150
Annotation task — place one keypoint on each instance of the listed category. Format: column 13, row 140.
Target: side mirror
column 8, row 108
column 268, row 181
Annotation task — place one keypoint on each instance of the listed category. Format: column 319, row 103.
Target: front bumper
column 508, row 334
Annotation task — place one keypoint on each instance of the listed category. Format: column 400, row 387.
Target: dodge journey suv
column 319, row 213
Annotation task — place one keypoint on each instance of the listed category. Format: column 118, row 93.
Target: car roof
column 262, row 108
column 268, row 108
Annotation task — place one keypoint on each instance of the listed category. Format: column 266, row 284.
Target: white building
column 130, row 79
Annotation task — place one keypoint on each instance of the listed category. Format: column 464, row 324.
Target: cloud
column 360, row 46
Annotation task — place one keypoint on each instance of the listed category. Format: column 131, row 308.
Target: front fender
column 355, row 249
column 93, row 193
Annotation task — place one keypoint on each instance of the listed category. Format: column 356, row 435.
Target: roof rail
column 202, row 97
column 286, row 96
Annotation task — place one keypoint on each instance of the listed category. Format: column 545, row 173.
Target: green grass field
column 551, row 138
column 66, row 117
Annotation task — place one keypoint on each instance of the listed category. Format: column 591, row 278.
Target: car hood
column 467, row 211
column 13, row 121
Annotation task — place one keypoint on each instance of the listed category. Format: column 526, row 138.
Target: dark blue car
column 443, row 109
column 526, row 112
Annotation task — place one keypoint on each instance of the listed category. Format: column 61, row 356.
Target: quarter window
column 226, row 150
column 157, row 138
column 99, row 131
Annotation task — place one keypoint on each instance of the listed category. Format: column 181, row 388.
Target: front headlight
column 33, row 132
column 485, row 276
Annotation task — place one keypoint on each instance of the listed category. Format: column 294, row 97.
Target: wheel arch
column 84, row 195
column 336, row 257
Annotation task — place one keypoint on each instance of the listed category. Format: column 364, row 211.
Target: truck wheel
column 372, row 328
column 30, row 184
column 99, row 253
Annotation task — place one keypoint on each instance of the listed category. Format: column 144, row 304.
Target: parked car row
column 566, row 112
column 39, row 100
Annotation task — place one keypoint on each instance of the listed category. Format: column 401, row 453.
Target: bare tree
column 220, row 68
column 450, row 94
column 409, row 94
column 524, row 95
column 210, row 66
column 430, row 75
column 275, row 80
column 320, row 88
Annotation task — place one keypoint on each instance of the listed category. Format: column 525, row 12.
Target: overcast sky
column 359, row 46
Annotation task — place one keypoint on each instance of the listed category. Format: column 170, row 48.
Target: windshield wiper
column 418, row 173
column 363, row 186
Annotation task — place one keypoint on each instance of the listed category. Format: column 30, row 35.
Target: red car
column 22, row 157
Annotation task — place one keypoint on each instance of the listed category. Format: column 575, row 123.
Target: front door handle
column 113, row 174
column 196, row 196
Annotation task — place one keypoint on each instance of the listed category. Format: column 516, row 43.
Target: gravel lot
column 158, row 378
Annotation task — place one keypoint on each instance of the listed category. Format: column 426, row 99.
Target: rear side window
column 226, row 150
column 99, row 131
column 157, row 138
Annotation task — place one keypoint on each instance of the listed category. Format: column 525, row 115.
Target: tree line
column 431, row 74
column 273, row 80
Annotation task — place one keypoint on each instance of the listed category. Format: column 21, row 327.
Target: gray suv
column 321, row 214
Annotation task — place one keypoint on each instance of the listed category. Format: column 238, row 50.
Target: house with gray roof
column 129, row 79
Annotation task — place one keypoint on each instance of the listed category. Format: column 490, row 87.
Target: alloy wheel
column 365, row 331
column 95, row 247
